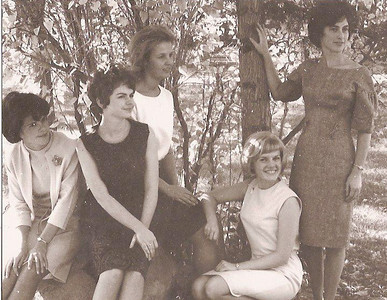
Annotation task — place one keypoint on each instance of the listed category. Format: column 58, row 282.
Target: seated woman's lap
column 258, row 284
column 109, row 252
column 60, row 251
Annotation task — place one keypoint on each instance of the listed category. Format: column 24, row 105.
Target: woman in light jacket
column 43, row 170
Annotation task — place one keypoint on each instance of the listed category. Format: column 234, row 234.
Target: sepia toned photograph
column 194, row 149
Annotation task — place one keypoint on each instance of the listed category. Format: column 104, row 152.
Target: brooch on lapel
column 57, row 160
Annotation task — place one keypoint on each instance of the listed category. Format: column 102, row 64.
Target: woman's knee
column 113, row 275
column 214, row 288
column 198, row 287
column 134, row 275
column 30, row 275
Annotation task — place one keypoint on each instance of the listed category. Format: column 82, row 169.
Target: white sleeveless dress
column 157, row 112
column 259, row 215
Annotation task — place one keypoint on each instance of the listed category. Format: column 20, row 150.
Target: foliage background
column 53, row 47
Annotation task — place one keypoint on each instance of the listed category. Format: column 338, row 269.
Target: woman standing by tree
column 178, row 216
column 118, row 159
column 339, row 96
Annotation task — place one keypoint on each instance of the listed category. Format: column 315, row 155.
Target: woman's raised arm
column 280, row 91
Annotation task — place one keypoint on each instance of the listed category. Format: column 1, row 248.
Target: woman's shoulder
column 303, row 68
column 285, row 193
column 89, row 134
column 364, row 73
column 361, row 75
column 60, row 139
column 14, row 153
column 284, row 190
column 309, row 63
column 166, row 93
column 139, row 132
column 164, row 90
column 62, row 143
column 139, row 125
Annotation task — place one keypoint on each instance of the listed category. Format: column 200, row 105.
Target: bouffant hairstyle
column 105, row 82
column 259, row 143
column 18, row 106
column 143, row 43
column 328, row 13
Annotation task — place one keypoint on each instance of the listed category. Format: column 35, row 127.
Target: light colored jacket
column 64, row 182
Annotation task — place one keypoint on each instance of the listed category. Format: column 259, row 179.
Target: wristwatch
column 39, row 239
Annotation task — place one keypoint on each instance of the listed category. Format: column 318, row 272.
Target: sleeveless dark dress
column 121, row 168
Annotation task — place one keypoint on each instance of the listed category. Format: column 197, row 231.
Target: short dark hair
column 144, row 42
column 105, row 82
column 18, row 106
column 328, row 13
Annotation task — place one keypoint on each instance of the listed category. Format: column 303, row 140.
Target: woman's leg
column 315, row 266
column 198, row 287
column 334, row 263
column 108, row 285
column 7, row 285
column 132, row 286
column 26, row 284
column 216, row 288
column 206, row 253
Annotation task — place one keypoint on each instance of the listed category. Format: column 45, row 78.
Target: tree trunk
column 254, row 89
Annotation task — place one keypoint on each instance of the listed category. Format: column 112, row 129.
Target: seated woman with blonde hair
column 270, row 214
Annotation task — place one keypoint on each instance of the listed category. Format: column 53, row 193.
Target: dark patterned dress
column 336, row 101
column 121, row 167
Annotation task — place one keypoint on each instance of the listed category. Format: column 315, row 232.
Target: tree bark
column 254, row 89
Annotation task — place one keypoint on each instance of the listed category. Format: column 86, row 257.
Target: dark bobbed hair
column 259, row 143
column 18, row 106
column 105, row 82
column 143, row 43
column 328, row 13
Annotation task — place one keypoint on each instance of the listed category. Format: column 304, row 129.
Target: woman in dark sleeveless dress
column 119, row 161
column 326, row 174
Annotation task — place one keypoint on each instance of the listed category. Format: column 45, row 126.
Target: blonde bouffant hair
column 259, row 143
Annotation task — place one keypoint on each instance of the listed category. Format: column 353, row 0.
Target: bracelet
column 237, row 266
column 39, row 239
column 359, row 167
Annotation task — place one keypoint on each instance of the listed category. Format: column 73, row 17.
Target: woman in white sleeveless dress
column 270, row 214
